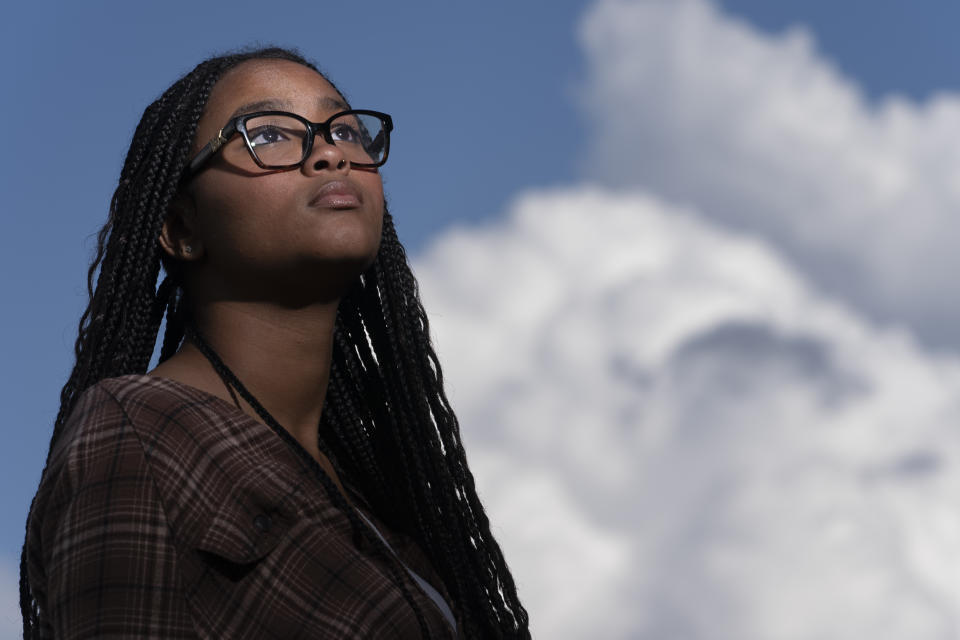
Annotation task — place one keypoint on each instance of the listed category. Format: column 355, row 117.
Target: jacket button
column 262, row 523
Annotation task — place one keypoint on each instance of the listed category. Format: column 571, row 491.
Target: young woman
column 292, row 467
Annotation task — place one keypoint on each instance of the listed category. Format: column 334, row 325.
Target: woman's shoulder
column 138, row 406
column 111, row 417
column 198, row 453
column 98, row 454
column 147, row 399
column 172, row 421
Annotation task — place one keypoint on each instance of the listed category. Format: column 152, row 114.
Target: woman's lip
column 336, row 195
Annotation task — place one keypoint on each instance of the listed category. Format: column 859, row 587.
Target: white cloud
column 678, row 438
column 11, row 624
column 679, row 433
column 761, row 133
column 552, row 542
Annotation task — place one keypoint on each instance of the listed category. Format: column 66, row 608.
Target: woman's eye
column 344, row 133
column 267, row 135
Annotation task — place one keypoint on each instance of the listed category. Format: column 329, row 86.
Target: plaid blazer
column 166, row 512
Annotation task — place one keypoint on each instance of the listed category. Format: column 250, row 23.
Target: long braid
column 390, row 337
column 383, row 429
column 386, row 416
column 114, row 335
column 404, row 294
column 344, row 375
column 351, row 421
column 402, row 410
column 169, row 297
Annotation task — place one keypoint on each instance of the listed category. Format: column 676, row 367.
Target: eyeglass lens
column 281, row 140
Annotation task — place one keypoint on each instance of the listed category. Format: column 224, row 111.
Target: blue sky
column 488, row 101
column 887, row 47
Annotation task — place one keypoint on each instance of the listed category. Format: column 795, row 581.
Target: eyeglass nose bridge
column 321, row 130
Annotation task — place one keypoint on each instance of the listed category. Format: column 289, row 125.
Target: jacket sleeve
column 108, row 567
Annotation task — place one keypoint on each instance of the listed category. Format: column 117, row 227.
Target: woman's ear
column 178, row 237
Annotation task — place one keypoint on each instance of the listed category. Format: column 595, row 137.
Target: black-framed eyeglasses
column 283, row 140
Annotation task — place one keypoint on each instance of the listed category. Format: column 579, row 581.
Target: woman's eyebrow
column 269, row 104
column 327, row 102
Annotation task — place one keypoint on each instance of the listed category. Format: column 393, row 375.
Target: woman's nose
column 325, row 156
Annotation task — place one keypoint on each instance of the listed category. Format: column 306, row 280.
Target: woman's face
column 308, row 231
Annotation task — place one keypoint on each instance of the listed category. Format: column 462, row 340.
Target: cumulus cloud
column 679, row 437
column 11, row 625
column 687, row 400
column 761, row 133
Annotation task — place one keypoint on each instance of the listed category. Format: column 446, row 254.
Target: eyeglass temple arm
column 212, row 147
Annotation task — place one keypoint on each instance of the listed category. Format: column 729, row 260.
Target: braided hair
column 387, row 423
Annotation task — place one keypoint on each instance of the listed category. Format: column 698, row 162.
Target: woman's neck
column 282, row 356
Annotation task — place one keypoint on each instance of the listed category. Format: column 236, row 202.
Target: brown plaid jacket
column 166, row 512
